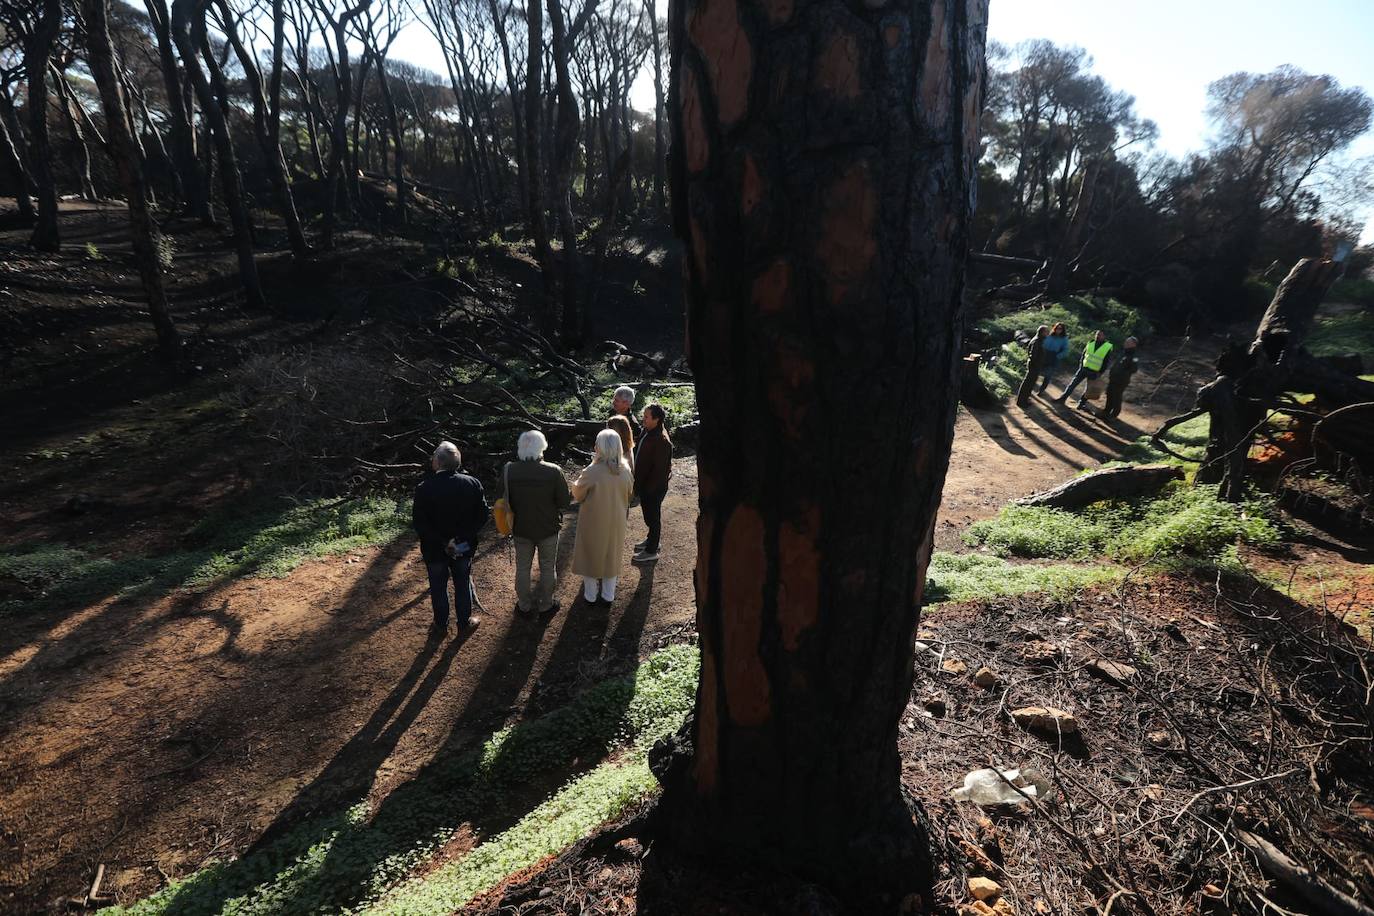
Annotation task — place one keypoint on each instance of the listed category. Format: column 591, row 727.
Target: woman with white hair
column 604, row 489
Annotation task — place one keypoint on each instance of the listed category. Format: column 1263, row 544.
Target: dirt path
column 150, row 738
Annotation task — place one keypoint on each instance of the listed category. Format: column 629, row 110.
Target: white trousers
column 591, row 585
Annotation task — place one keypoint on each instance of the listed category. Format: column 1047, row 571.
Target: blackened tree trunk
column 129, row 162
column 660, row 148
column 498, row 19
column 266, row 125
column 1057, row 280
column 37, row 52
column 338, row 139
column 393, row 121
column 564, row 149
column 822, row 180
column 188, row 31
column 534, row 157
column 194, row 186
column 12, row 151
column 72, row 113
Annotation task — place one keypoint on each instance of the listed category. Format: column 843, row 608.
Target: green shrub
column 1187, row 439
column 972, row 577
column 1182, row 522
column 1081, row 316
column 1352, row 332
column 1353, row 289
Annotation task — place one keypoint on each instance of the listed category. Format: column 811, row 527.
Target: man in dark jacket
column 537, row 493
column 1034, row 365
column 653, row 468
column 1119, row 377
column 449, row 511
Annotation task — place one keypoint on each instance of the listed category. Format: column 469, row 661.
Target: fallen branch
column 1300, row 879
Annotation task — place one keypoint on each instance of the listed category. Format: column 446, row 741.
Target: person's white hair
column 625, row 393
column 610, row 451
column 447, row 457
column 531, row 446
column 1131, row 340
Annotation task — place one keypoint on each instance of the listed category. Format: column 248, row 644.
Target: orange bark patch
column 837, row 70
column 742, row 570
column 705, row 767
column 771, row 288
column 694, row 134
column 799, row 571
column 848, row 245
column 789, row 392
column 751, row 186
column 935, row 86
column 715, row 29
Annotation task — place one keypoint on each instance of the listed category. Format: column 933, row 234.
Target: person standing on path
column 603, row 488
column 1119, row 377
column 448, row 512
column 1056, row 348
column 1034, row 365
column 1097, row 356
column 537, row 494
column 653, row 468
column 623, row 405
column 627, row 436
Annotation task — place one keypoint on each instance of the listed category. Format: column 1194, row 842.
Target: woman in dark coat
column 653, row 468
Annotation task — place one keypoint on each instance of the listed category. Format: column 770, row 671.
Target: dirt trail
column 153, row 736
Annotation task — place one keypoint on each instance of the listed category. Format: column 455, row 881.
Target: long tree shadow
column 1091, row 442
column 996, row 429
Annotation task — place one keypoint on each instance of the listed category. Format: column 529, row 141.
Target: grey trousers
column 548, row 572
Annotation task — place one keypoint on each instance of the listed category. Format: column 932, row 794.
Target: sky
column 1164, row 52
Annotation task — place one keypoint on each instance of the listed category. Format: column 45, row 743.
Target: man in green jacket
column 1097, row 356
column 537, row 494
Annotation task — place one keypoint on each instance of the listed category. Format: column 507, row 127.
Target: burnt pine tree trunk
column 660, row 149
column 12, row 149
column 564, row 150
column 194, row 187
column 129, row 163
column 37, row 52
column 534, row 157
column 188, row 31
column 822, row 179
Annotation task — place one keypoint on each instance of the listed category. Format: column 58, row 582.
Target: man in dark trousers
column 1119, row 377
column 449, row 511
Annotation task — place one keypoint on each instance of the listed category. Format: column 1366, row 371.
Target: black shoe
column 639, row 548
column 552, row 609
column 472, row 623
column 603, row 601
column 437, row 631
column 645, row 556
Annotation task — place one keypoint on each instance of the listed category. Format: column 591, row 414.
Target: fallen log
column 1301, row 880
column 1109, row 483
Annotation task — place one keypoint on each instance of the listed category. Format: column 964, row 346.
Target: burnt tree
column 822, row 180
column 1252, row 382
column 128, row 159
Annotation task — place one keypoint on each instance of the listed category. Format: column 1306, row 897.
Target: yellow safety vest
column 1094, row 357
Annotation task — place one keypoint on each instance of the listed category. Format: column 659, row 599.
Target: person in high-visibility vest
column 1097, row 355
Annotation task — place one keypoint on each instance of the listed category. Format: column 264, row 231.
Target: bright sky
column 1164, row 52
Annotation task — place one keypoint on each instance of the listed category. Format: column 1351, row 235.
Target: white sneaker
column 639, row 548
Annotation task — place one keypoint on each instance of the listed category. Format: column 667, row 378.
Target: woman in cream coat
column 604, row 489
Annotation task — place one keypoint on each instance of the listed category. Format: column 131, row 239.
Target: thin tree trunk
column 517, row 120
column 399, row 155
column 129, row 162
column 339, row 135
column 534, row 158
column 660, row 148
column 12, row 149
column 188, row 30
column 825, row 238
column 565, row 148
column 1057, row 280
column 37, row 53
column 354, row 183
column 69, row 103
column 267, row 125
column 195, row 192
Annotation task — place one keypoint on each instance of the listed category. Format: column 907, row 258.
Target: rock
column 983, row 888
column 631, row 847
column 954, row 666
column 976, row 908
column 986, row 678
column 1211, row 890
column 1045, row 720
column 1112, row 672
column 1159, row 739
column 1040, row 652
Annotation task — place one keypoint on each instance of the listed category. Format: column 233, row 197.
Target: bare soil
column 153, row 735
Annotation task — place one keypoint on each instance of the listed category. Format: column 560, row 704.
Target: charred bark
column 193, row 181
column 564, row 149
column 825, row 227
column 534, row 158
column 130, row 163
column 38, row 48
column 12, row 149
column 1129, row 482
column 188, row 30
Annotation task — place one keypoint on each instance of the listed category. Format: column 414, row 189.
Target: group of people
column 1050, row 347
column 631, row 463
